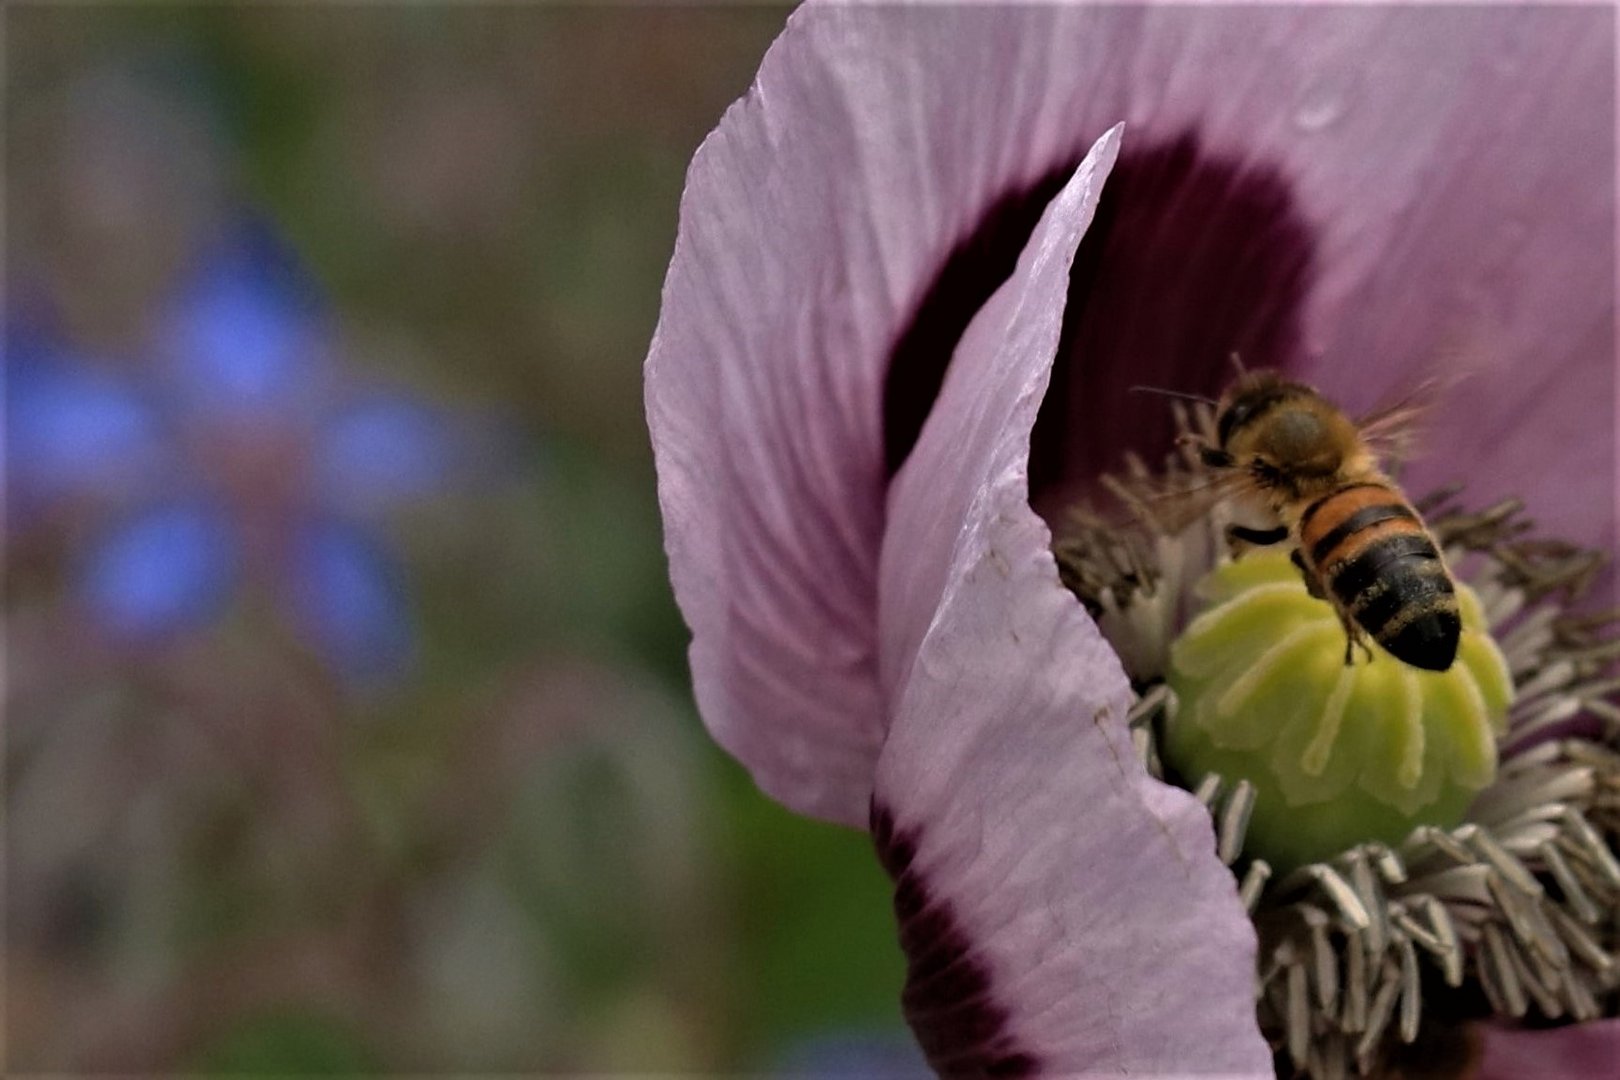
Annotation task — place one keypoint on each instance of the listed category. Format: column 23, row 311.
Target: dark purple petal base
column 948, row 995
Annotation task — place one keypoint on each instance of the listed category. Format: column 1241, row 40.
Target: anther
column 1507, row 978
column 1378, row 1017
column 1445, row 931
column 1339, row 891
column 1574, row 894
column 1234, row 821
column 1411, row 992
column 1509, row 867
column 1254, row 882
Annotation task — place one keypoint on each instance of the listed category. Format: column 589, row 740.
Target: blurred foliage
column 810, row 905
column 288, row 1042
column 527, row 855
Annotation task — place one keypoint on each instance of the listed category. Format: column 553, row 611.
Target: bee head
column 1246, row 400
column 1281, row 429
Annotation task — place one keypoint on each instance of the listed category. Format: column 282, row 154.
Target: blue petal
column 167, row 570
column 887, row 1055
column 349, row 598
column 71, row 431
column 384, row 450
column 244, row 335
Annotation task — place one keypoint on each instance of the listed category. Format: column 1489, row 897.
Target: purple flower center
column 1192, row 256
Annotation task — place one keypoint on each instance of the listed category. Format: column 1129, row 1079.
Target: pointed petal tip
column 1062, row 913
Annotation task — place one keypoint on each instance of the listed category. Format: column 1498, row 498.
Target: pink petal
column 1448, row 174
column 1583, row 1052
column 1062, row 912
column 762, row 399
column 1452, row 170
column 1474, row 235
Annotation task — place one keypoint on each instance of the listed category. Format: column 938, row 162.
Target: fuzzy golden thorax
column 1297, row 445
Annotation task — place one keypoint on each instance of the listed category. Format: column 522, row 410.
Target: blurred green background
column 296, row 788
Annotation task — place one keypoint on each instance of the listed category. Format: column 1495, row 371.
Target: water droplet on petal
column 1324, row 102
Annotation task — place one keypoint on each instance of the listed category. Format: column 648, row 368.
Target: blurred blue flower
column 248, row 457
column 168, row 569
column 349, row 599
column 245, row 338
column 854, row 1055
column 383, row 449
column 72, row 428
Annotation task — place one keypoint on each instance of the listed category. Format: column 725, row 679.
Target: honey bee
column 1358, row 543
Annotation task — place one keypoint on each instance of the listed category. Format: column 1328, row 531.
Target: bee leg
column 1262, row 537
column 1312, row 584
column 1353, row 638
column 1212, row 456
column 1353, row 635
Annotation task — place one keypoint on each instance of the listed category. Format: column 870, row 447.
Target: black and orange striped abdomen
column 1372, row 554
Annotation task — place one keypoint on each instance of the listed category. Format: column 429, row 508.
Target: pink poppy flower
column 917, row 267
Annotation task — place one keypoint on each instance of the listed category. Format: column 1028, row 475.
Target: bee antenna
column 1175, row 394
column 1237, row 364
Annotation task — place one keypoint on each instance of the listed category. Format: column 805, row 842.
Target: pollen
column 1337, row 754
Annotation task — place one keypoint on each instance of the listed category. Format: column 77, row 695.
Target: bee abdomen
column 1398, row 590
column 1373, row 553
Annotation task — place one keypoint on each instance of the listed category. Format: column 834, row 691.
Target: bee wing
column 1392, row 429
column 1172, row 507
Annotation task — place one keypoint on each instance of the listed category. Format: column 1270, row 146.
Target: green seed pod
column 1338, row 755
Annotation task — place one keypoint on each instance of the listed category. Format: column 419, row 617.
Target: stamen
column 1553, row 677
column 1388, row 863
column 1505, row 864
column 1574, row 894
column 1147, row 705
column 1501, row 971
column 1446, row 933
column 1371, row 898
column 1519, row 903
column 1411, row 992
column 1234, row 820
column 1254, row 881
column 1415, row 931
column 1582, row 1004
column 1142, row 743
column 1549, row 1005
column 1608, row 650
column 1441, row 841
column 1324, row 961
column 1337, row 890
column 1521, row 919
column 1605, row 709
column 1299, row 1013
column 1528, row 639
column 1354, row 1017
column 1521, row 792
column 1332, row 1057
column 1383, row 1004
column 1593, row 846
